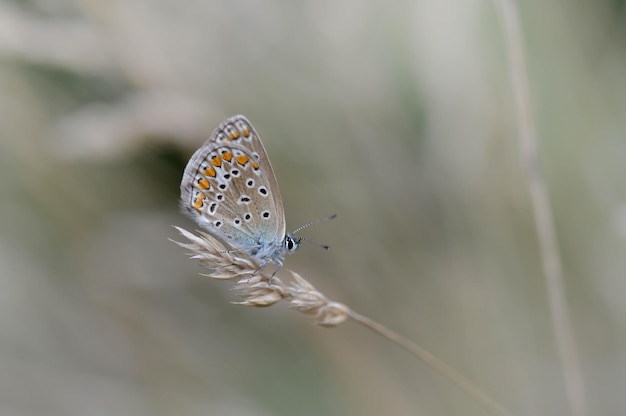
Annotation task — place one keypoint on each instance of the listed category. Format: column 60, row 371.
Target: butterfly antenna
column 330, row 217
column 315, row 243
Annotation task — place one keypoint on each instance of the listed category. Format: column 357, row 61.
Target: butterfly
column 229, row 189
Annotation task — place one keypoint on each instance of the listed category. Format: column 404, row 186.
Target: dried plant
column 542, row 208
column 258, row 288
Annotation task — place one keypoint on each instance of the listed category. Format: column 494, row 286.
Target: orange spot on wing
column 234, row 135
column 210, row 171
column 255, row 165
column 204, row 184
column 227, row 156
column 198, row 204
column 242, row 160
column 216, row 161
column 245, row 132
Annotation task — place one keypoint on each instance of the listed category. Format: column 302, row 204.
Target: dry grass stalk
column 544, row 222
column 259, row 289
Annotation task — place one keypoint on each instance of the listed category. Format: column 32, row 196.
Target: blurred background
column 396, row 115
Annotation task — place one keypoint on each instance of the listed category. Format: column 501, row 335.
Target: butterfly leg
column 280, row 266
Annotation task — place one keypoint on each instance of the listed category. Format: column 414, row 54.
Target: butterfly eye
column 291, row 244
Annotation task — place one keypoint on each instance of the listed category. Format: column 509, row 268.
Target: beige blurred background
column 396, row 115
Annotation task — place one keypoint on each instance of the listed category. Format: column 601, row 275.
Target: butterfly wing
column 229, row 188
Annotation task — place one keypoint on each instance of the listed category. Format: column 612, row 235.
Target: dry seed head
column 210, row 253
column 257, row 291
column 306, row 299
column 253, row 284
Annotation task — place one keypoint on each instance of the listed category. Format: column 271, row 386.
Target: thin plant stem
column 544, row 222
column 433, row 362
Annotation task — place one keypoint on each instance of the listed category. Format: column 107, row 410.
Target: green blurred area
column 396, row 115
